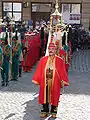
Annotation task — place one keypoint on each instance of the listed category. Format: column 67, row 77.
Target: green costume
column 0, row 57
column 66, row 47
column 0, row 53
column 5, row 63
column 16, row 51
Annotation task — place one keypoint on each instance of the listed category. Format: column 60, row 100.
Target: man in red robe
column 50, row 75
column 26, row 53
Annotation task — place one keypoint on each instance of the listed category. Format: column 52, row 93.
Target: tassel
column 6, row 38
column 16, row 36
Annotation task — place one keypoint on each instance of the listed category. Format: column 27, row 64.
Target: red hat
column 57, row 43
column 27, row 34
column 51, row 45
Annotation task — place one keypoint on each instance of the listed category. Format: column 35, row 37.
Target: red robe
column 26, row 63
column 33, row 52
column 59, row 73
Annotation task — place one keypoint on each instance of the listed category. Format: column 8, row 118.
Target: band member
column 66, row 49
column 5, row 60
column 21, row 55
column 62, row 53
column 69, row 41
column 16, row 51
column 0, row 54
column 51, row 76
column 26, row 53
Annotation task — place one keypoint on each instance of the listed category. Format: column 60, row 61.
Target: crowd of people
column 80, row 38
column 20, row 48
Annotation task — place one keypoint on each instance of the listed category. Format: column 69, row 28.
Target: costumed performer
column 51, row 76
column 5, row 59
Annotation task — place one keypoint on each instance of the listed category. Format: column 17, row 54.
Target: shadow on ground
column 32, row 110
column 9, row 116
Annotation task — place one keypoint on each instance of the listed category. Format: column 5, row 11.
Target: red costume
column 26, row 56
column 62, row 54
column 59, row 74
column 31, row 53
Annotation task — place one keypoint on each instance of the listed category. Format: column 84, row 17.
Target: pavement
column 19, row 100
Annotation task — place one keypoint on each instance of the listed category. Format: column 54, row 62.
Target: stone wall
column 27, row 11
column 86, row 13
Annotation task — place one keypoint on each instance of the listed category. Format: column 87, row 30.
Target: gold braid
column 15, row 47
column 5, row 50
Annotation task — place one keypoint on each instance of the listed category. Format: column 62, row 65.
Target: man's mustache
column 51, row 52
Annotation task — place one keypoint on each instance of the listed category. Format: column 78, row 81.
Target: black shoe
column 15, row 79
column 53, row 109
column 43, row 111
column 7, row 84
column 44, row 114
column 20, row 76
column 3, row 84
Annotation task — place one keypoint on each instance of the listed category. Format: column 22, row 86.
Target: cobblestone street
column 19, row 100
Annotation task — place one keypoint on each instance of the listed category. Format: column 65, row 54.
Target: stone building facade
column 29, row 11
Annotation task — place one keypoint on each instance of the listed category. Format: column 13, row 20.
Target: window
column 75, row 8
column 71, row 13
column 7, row 6
column 17, row 7
column 17, row 16
column 12, row 9
column 65, row 8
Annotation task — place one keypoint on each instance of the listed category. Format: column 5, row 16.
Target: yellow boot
column 53, row 115
column 53, row 111
column 43, row 114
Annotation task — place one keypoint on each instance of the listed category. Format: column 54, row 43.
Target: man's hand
column 62, row 84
